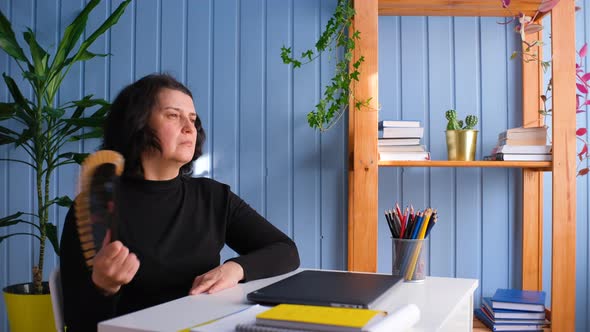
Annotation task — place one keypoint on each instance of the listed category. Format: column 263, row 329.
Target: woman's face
column 173, row 121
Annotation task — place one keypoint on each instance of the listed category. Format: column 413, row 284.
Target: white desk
column 446, row 304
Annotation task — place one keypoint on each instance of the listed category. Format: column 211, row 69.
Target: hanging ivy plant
column 337, row 94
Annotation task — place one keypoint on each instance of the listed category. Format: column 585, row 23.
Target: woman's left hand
column 218, row 279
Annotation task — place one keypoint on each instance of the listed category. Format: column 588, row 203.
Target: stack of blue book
column 513, row 310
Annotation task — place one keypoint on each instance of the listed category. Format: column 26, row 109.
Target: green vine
column 337, row 94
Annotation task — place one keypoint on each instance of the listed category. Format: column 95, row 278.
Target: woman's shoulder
column 205, row 183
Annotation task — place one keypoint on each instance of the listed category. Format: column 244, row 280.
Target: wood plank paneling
column 441, row 88
column 414, row 105
column 251, row 94
column 199, row 76
column 468, row 196
column 253, row 107
column 279, row 99
column 390, row 91
column 306, row 178
column 494, row 105
column 334, row 167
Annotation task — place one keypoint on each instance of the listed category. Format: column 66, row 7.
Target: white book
column 525, row 149
column 524, row 133
column 523, row 141
column 523, row 157
column 415, row 132
column 399, row 123
column 386, row 156
column 402, row 148
column 398, row 141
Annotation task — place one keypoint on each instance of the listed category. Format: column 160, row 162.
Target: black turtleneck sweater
column 177, row 229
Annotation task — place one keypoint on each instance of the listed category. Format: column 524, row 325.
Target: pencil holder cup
column 410, row 259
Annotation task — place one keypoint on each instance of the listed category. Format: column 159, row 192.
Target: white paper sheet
column 397, row 321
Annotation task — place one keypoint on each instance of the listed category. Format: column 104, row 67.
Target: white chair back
column 57, row 299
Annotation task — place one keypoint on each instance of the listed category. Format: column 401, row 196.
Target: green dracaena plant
column 41, row 128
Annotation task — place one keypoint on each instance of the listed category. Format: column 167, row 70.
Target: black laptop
column 326, row 288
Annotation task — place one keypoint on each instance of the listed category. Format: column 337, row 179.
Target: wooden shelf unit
column 456, row 7
column 364, row 158
column 533, row 165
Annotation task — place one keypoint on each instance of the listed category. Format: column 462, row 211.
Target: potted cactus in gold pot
column 461, row 137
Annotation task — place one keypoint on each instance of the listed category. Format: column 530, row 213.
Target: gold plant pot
column 461, row 144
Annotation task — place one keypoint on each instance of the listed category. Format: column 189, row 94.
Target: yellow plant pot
column 461, row 144
column 28, row 312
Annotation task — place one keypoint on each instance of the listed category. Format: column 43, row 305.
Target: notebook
column 327, row 288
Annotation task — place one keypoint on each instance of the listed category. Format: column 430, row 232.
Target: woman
column 172, row 227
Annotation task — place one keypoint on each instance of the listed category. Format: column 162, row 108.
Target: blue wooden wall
column 254, row 112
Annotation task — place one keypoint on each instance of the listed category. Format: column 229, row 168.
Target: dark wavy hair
column 127, row 129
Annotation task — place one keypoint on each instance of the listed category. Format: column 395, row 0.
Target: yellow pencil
column 418, row 248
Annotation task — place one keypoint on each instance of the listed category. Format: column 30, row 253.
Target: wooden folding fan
column 96, row 208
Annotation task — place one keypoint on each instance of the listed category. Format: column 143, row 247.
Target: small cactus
column 452, row 117
column 454, row 124
column 470, row 121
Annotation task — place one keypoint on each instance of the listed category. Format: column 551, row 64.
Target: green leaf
column 17, row 95
column 8, row 40
column 77, row 157
column 54, row 113
column 9, row 135
column 110, row 21
column 10, row 217
column 88, row 102
column 33, row 77
column 6, row 139
column 7, row 131
column 85, row 56
column 71, row 36
column 24, row 136
column 97, row 133
column 513, row 55
column 64, row 201
column 7, row 111
column 95, row 122
column 51, row 232
column 101, row 112
column 39, row 55
column 10, row 223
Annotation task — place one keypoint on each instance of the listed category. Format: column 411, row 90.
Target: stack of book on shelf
column 297, row 317
column 513, row 310
column 400, row 140
column 522, row 144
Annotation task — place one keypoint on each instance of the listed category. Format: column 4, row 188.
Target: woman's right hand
column 113, row 266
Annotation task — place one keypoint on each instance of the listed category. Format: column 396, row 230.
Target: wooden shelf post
column 563, row 260
column 532, row 180
column 363, row 157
